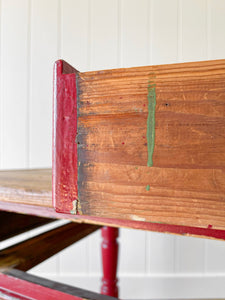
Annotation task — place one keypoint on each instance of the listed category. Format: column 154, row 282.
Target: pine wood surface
column 27, row 186
column 186, row 184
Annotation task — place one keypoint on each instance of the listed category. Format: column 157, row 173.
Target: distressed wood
column 31, row 252
column 27, row 186
column 186, row 183
column 208, row 232
column 23, row 286
column 12, row 224
column 64, row 166
column 14, row 183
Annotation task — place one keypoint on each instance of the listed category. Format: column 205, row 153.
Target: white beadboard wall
column 99, row 34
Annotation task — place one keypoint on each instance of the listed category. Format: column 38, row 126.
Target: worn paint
column 151, row 123
column 147, row 187
column 136, row 218
column 64, row 164
column 74, row 210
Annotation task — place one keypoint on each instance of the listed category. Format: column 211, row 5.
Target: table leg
column 109, row 261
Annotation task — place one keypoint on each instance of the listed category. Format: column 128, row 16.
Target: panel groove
column 179, row 31
column 59, row 37
column 28, row 81
column 1, row 98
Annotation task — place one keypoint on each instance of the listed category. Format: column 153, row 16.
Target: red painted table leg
column 109, row 261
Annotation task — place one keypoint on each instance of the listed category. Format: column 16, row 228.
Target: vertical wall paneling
column 74, row 33
column 104, row 34
column 161, row 249
column 14, row 83
column 94, row 254
column 73, row 260
column 44, row 44
column 215, row 261
column 209, row 28
column 132, row 252
column 194, row 42
column 134, row 32
column 190, row 257
column 164, row 32
column 1, row 59
column 217, row 9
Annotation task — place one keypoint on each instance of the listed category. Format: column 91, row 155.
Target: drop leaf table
column 139, row 148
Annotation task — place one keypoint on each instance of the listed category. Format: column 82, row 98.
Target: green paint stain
column 151, row 123
column 147, row 187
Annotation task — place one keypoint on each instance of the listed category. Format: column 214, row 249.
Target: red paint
column 209, row 226
column 12, row 295
column 22, row 289
column 158, row 227
column 109, row 261
column 64, row 165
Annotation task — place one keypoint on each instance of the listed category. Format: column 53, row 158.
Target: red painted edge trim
column 64, row 156
column 23, row 289
column 158, row 227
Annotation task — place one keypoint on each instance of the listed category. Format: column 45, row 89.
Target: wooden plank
column 12, row 224
column 29, row 192
column 134, row 35
column 31, row 252
column 165, row 228
column 103, row 48
column 186, row 184
column 26, row 186
column 26, row 286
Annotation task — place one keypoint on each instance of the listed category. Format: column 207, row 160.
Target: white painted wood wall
column 99, row 34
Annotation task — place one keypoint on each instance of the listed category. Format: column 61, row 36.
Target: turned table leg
column 109, row 261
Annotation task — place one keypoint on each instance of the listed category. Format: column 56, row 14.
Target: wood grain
column 27, row 186
column 186, row 184
column 31, row 252
column 19, row 182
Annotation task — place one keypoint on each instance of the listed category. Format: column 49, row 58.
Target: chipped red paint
column 64, row 166
column 109, row 261
column 16, row 288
